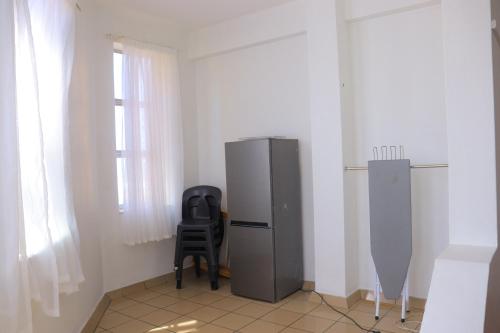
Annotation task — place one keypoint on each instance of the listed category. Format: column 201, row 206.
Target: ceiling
column 199, row 13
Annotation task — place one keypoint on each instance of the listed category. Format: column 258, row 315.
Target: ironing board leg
column 404, row 301
column 377, row 297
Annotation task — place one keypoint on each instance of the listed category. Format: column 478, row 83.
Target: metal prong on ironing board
column 401, row 152
column 395, row 156
column 383, row 150
column 377, row 297
column 375, row 153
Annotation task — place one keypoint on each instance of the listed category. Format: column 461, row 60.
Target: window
column 149, row 148
column 119, row 126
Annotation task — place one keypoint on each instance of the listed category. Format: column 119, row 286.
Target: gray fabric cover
column 390, row 222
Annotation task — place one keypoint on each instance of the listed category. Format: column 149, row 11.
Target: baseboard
column 308, row 285
column 150, row 283
column 224, row 271
column 105, row 301
column 342, row 302
column 97, row 315
column 362, row 294
column 415, row 302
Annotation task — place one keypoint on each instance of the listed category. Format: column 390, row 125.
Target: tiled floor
column 196, row 308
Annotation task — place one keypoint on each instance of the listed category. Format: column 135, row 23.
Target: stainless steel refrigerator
column 265, row 234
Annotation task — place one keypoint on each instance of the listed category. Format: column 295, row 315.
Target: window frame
column 119, row 153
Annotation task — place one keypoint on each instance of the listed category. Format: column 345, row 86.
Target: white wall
column 256, row 91
column 327, row 153
column 251, row 29
column 397, row 93
column 492, row 323
column 361, row 9
column 470, row 116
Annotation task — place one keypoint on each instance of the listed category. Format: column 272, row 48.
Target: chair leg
column 212, row 261
column 197, row 265
column 178, row 274
column 213, row 271
column 179, row 261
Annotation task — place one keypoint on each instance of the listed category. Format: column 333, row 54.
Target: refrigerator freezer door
column 248, row 177
column 252, row 262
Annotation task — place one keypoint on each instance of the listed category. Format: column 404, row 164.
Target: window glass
column 118, row 64
column 119, row 127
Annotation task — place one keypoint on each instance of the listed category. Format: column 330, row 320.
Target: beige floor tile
column 163, row 288
column 230, row 303
column 363, row 318
column 324, row 311
column 300, row 306
column 261, row 326
column 182, row 324
column 183, row 307
column 121, row 303
column 209, row 328
column 412, row 315
column 305, row 297
column 134, row 326
column 144, row 295
column 313, row 324
column 108, row 311
column 255, row 310
column 207, row 314
column 185, row 293
column 394, row 325
column 206, row 298
column 233, row 321
column 369, row 307
column 293, row 330
column 138, row 310
column 160, row 317
column 223, row 290
column 339, row 327
column 162, row 301
column 113, row 319
column 282, row 317
column 274, row 305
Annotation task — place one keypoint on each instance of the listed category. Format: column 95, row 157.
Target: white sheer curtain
column 153, row 143
column 14, row 301
column 39, row 232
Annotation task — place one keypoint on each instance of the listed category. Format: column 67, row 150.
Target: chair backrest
column 202, row 202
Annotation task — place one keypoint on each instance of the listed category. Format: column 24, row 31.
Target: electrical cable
column 406, row 328
column 341, row 313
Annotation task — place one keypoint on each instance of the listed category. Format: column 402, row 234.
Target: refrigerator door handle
column 249, row 224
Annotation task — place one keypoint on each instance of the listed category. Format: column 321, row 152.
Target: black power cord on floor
column 340, row 312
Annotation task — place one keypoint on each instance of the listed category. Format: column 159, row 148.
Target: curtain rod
column 117, row 38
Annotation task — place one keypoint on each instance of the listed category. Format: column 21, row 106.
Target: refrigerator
column 264, row 206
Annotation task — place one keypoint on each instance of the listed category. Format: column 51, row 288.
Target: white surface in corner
column 458, row 291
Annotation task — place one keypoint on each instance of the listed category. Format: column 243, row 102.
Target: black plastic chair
column 201, row 231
